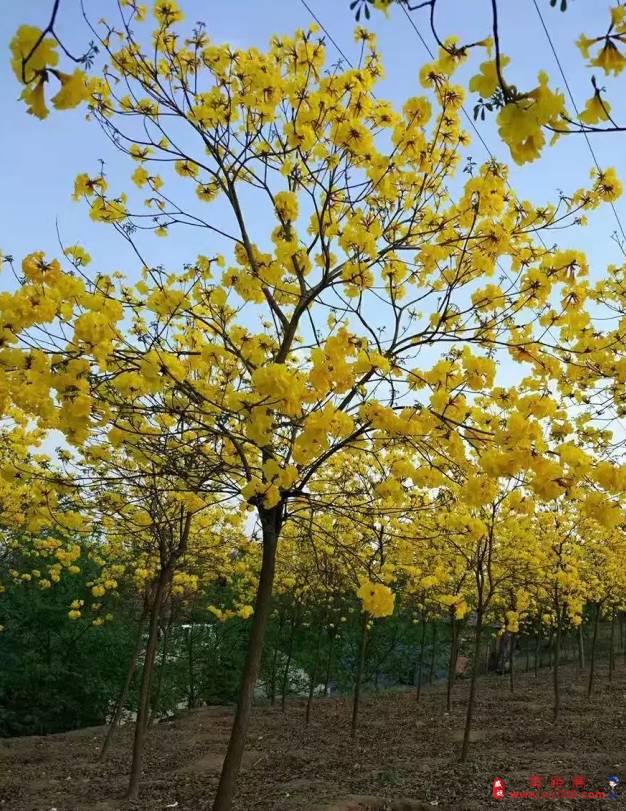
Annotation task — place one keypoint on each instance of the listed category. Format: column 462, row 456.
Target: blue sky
column 41, row 158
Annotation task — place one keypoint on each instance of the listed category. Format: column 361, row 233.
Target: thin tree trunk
column 511, row 660
column 123, row 696
column 452, row 663
column 329, row 661
column 281, row 622
column 316, row 660
column 418, row 689
column 271, row 521
column 557, row 658
column 431, row 671
column 146, row 682
column 592, row 658
column 537, row 654
column 285, row 684
column 156, row 699
column 474, row 678
column 191, row 702
column 488, row 654
column 527, row 646
column 359, row 675
column 550, row 650
column 581, row 648
column 612, row 648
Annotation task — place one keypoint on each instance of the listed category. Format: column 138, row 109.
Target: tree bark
column 191, row 700
column 156, row 698
column 329, row 661
column 146, row 682
column 550, row 649
column 474, row 678
column 281, row 622
column 537, row 653
column 612, row 648
column 309, row 702
column 285, row 684
column 123, row 696
column 431, row 671
column 452, row 662
column 271, row 522
column 418, row 689
column 527, row 646
column 359, row 675
column 592, row 658
column 511, row 660
column 581, row 648
column 557, row 657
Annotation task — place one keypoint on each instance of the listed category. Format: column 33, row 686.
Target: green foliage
column 57, row 674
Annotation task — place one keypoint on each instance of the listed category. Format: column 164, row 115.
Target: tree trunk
column 452, row 662
column 431, row 671
column 316, row 660
column 146, row 682
column 156, row 699
column 474, row 678
column 271, row 521
column 123, row 696
column 557, row 658
column 537, row 654
column 359, row 675
column 281, row 622
column 329, row 661
column 511, row 660
column 581, row 648
column 592, row 658
column 550, row 649
column 527, row 646
column 485, row 657
column 191, row 700
column 285, row 684
column 418, row 689
column 612, row 648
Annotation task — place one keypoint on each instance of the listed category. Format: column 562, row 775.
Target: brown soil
column 405, row 757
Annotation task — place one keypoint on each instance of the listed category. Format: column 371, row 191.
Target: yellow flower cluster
column 33, row 59
column 376, row 598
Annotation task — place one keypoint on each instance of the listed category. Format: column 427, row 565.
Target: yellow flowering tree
column 321, row 319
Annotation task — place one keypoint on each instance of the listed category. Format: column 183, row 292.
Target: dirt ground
column 405, row 757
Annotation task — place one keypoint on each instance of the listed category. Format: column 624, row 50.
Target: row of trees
column 62, row 673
